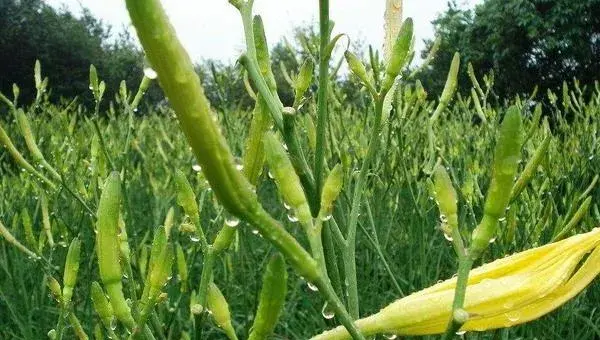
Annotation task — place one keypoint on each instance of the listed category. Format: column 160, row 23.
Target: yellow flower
column 504, row 293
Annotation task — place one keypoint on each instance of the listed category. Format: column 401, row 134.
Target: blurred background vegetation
column 525, row 43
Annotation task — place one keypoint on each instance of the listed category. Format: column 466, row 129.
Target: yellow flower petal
column 503, row 293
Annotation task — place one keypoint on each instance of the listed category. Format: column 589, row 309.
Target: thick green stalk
column 182, row 86
column 322, row 112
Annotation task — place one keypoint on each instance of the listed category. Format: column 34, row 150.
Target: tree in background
column 524, row 42
column 66, row 46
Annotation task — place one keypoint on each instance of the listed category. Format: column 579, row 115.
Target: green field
column 69, row 149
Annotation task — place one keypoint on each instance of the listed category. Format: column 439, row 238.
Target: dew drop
column 459, row 333
column 448, row 237
column 239, row 167
column 194, row 238
column 390, row 336
column 327, row 312
column 312, row 287
column 232, row 222
column 292, row 218
column 150, row 73
column 326, row 217
column 196, row 168
column 513, row 316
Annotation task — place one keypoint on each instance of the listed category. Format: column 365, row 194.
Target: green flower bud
column 331, row 189
column 71, row 269
column 107, row 248
column 445, row 196
column 399, row 53
column 286, row 178
column 101, row 305
column 186, row 197
column 219, row 308
column 55, row 288
column 303, row 80
column 359, row 70
column 272, row 299
column 506, row 159
column 182, row 271
column 577, row 217
column 262, row 53
column 530, row 168
column 28, row 228
column 449, row 88
column 254, row 156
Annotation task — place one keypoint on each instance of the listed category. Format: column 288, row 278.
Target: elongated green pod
column 77, row 327
column 286, row 178
column 254, row 154
column 107, row 248
column 445, row 196
column 223, row 239
column 28, row 228
column 20, row 160
column 186, row 197
column 101, row 305
column 28, row 135
column 55, row 289
column 168, row 223
column 303, row 81
column 358, row 69
column 262, row 53
column 71, row 269
column 187, row 200
column 220, row 310
column 449, row 88
column 399, row 53
column 182, row 271
column 477, row 104
column 272, row 299
column 12, row 240
column 535, row 121
column 46, row 219
column 331, row 190
column 37, row 74
column 182, row 87
column 577, row 217
column 506, row 159
column 94, row 85
column 473, row 77
column 530, row 168
column 161, row 261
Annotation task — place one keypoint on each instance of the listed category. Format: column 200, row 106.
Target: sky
column 212, row 29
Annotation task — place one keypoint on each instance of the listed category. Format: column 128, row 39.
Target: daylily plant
column 504, row 293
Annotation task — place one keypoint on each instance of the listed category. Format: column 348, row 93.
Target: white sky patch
column 213, row 29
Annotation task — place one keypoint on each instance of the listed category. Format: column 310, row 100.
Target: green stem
column 350, row 251
column 206, row 277
column 322, row 112
column 464, row 267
